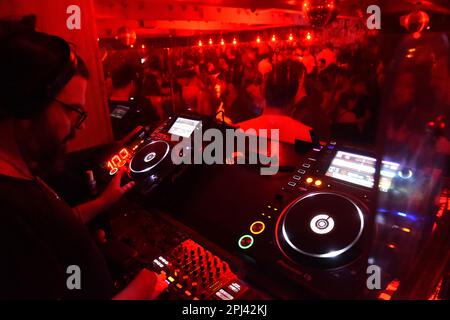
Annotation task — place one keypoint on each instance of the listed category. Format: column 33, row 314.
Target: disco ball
column 319, row 12
column 126, row 36
column 416, row 21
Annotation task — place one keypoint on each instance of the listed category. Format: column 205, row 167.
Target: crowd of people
column 334, row 90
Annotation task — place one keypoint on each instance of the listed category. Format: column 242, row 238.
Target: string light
column 143, row 46
column 234, row 41
column 309, row 36
column 210, row 41
column 200, row 43
column 291, row 37
column 274, row 38
column 258, row 39
column 222, row 42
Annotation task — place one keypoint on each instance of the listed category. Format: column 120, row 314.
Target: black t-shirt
column 40, row 237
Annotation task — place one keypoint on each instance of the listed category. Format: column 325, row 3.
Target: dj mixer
column 312, row 233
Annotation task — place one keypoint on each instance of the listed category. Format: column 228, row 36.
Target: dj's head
column 42, row 91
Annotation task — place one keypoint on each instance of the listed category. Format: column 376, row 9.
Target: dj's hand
column 114, row 191
column 153, row 284
column 146, row 286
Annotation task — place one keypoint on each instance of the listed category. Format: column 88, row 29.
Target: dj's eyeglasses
column 82, row 115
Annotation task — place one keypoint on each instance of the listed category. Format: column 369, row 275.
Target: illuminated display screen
column 184, row 127
column 121, row 158
column 360, row 170
column 118, row 160
column 119, row 112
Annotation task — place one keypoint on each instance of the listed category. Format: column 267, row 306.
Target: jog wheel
column 321, row 228
column 150, row 163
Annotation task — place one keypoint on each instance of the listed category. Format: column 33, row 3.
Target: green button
column 245, row 242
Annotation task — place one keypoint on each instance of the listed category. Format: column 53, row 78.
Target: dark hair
column 123, row 76
column 282, row 83
column 35, row 67
column 345, row 98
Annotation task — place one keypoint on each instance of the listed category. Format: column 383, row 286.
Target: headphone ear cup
column 26, row 101
column 34, row 68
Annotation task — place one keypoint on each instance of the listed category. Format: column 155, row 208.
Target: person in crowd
column 264, row 65
column 328, row 54
column 127, row 108
column 308, row 61
column 249, row 102
column 280, row 91
column 152, row 84
column 310, row 108
column 322, row 65
column 346, row 126
column 365, row 109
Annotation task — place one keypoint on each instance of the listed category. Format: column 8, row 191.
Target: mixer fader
column 195, row 273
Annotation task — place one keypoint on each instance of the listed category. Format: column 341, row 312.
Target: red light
column 118, row 160
column 234, row 41
column 210, row 41
column 258, row 39
column 143, row 46
column 291, row 37
column 132, row 46
column 391, row 246
column 274, row 38
column 309, row 36
column 124, row 153
column 384, row 296
column 200, row 43
column 222, row 42
column 393, row 286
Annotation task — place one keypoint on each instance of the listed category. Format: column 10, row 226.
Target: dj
column 42, row 94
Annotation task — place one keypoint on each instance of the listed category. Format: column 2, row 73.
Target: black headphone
column 37, row 67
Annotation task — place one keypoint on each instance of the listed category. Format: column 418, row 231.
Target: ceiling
column 163, row 18
column 438, row 6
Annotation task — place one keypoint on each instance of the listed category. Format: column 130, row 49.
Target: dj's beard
column 43, row 150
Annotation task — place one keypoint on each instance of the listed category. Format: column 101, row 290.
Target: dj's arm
column 113, row 192
column 146, row 286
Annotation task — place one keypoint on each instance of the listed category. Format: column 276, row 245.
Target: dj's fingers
column 118, row 177
column 128, row 186
column 159, row 287
column 121, row 172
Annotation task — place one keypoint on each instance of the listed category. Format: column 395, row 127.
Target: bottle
column 93, row 191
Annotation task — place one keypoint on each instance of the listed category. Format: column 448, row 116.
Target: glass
column 81, row 113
